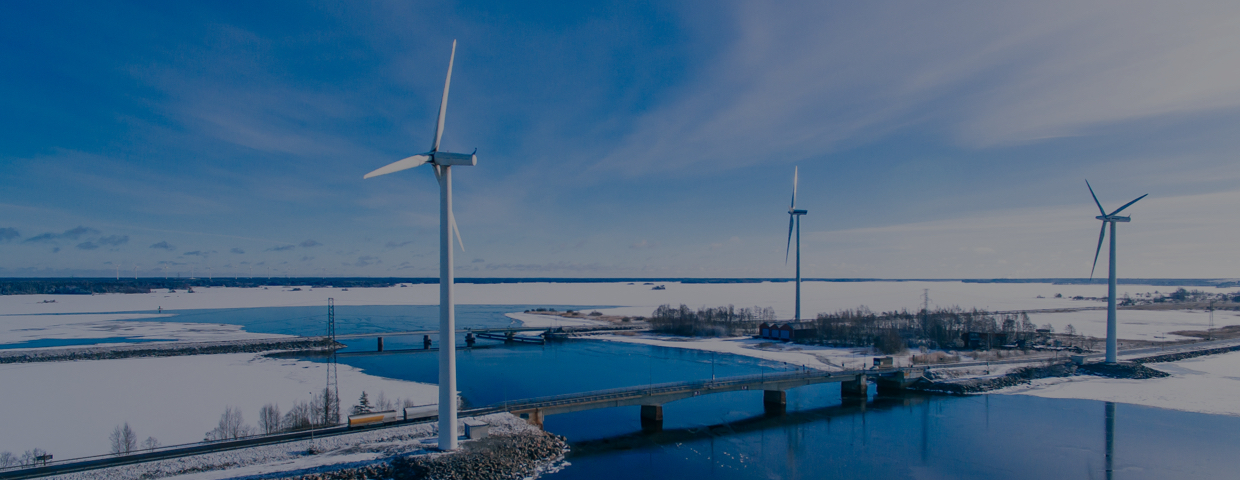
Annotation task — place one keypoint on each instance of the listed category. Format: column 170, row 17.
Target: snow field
column 811, row 356
column 70, row 408
column 22, row 328
column 631, row 300
column 353, row 449
column 1205, row 384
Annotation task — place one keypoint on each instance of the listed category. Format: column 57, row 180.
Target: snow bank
column 1152, row 325
column 70, row 408
column 1203, row 384
column 353, row 449
column 22, row 328
column 822, row 358
column 552, row 321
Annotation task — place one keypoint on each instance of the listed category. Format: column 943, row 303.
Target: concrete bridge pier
column 774, row 401
column 897, row 382
column 857, row 388
column 380, row 344
column 652, row 418
column 533, row 417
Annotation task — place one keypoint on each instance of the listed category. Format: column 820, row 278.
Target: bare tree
column 325, row 408
column 31, row 457
column 231, row 427
column 123, row 440
column 7, row 459
column 269, row 418
column 150, row 443
column 382, row 404
column 297, row 417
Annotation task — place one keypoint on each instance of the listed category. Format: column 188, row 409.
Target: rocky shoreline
column 1134, row 369
column 170, row 349
column 498, row 457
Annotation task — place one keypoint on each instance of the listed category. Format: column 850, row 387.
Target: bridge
column 651, row 398
column 506, row 334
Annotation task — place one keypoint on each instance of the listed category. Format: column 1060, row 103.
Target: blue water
column 351, row 319
column 985, row 437
column 513, row 372
column 67, row 342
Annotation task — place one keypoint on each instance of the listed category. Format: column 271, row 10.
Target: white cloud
column 799, row 82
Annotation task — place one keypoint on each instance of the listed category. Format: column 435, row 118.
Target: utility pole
column 1210, row 331
column 332, row 387
column 925, row 309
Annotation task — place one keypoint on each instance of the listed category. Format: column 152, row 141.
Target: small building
column 975, row 340
column 788, row 332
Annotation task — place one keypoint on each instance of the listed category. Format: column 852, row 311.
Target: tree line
column 709, row 322
column 889, row 332
column 892, row 332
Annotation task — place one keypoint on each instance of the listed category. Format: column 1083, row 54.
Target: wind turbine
column 794, row 217
column 441, row 163
column 1111, row 219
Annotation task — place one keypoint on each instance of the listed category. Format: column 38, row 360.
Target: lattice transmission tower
column 331, row 415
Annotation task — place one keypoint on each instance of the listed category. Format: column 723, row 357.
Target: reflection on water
column 917, row 436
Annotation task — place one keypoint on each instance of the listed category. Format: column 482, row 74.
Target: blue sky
column 619, row 139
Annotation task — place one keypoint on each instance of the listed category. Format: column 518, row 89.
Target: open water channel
column 819, row 436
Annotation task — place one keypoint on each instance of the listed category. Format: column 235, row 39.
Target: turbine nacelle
column 1111, row 218
column 447, row 159
column 793, row 211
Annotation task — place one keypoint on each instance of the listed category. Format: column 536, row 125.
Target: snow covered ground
column 552, row 321
column 70, row 408
column 821, row 358
column 349, row 450
column 23, row 328
column 637, row 298
column 632, row 300
column 1206, row 384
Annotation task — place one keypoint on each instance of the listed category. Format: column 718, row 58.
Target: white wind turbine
column 1111, row 219
column 441, row 163
column 794, row 217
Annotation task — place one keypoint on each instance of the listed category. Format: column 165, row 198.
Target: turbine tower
column 1109, row 219
column 441, row 163
column 794, row 217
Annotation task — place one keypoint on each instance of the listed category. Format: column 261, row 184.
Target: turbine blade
column 1091, row 193
column 452, row 221
column 794, row 189
column 1102, row 234
column 402, row 164
column 443, row 103
column 789, row 249
column 1127, row 204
